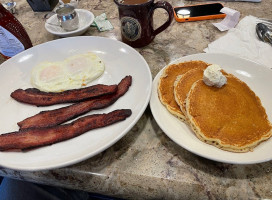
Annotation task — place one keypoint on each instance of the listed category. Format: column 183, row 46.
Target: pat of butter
column 212, row 76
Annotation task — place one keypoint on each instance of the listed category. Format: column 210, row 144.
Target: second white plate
column 258, row 79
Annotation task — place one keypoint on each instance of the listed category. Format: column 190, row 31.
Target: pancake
column 166, row 84
column 231, row 118
column 183, row 85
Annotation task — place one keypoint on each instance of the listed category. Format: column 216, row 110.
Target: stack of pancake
column 231, row 118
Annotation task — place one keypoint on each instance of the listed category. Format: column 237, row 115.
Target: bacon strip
column 58, row 116
column 36, row 137
column 36, row 97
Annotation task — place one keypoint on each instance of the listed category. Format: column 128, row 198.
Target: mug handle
column 166, row 6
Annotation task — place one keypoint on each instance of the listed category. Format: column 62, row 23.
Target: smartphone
column 198, row 12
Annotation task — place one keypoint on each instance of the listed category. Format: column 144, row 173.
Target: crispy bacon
column 58, row 116
column 36, row 137
column 36, row 97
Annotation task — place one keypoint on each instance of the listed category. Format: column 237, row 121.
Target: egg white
column 72, row 73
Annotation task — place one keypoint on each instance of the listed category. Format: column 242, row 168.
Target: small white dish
column 86, row 18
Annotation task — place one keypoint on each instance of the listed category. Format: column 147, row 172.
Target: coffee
column 133, row 2
column 136, row 17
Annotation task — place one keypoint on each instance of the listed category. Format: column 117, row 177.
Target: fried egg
column 72, row 73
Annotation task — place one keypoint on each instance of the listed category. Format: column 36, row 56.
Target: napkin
column 102, row 23
column 230, row 21
column 243, row 41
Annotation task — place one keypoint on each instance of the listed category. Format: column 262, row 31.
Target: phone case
column 199, row 18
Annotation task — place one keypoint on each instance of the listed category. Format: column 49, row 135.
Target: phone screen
column 199, row 10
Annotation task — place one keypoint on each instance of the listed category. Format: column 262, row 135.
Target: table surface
column 145, row 163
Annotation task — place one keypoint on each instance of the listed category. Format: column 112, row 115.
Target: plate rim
column 154, row 85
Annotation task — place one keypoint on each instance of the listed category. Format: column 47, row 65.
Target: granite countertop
column 145, row 163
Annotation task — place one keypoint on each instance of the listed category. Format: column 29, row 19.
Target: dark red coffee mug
column 137, row 21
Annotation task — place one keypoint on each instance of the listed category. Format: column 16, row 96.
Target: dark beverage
column 136, row 17
column 133, row 2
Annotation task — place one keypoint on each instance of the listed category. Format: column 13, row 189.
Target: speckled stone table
column 145, row 163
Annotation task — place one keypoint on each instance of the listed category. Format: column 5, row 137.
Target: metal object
column 48, row 15
column 10, row 6
column 264, row 33
column 267, row 22
column 68, row 17
column 58, row 25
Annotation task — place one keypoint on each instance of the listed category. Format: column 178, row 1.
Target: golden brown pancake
column 183, row 85
column 231, row 118
column 166, row 84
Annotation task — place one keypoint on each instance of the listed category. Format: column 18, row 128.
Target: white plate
column 258, row 79
column 86, row 18
column 120, row 60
